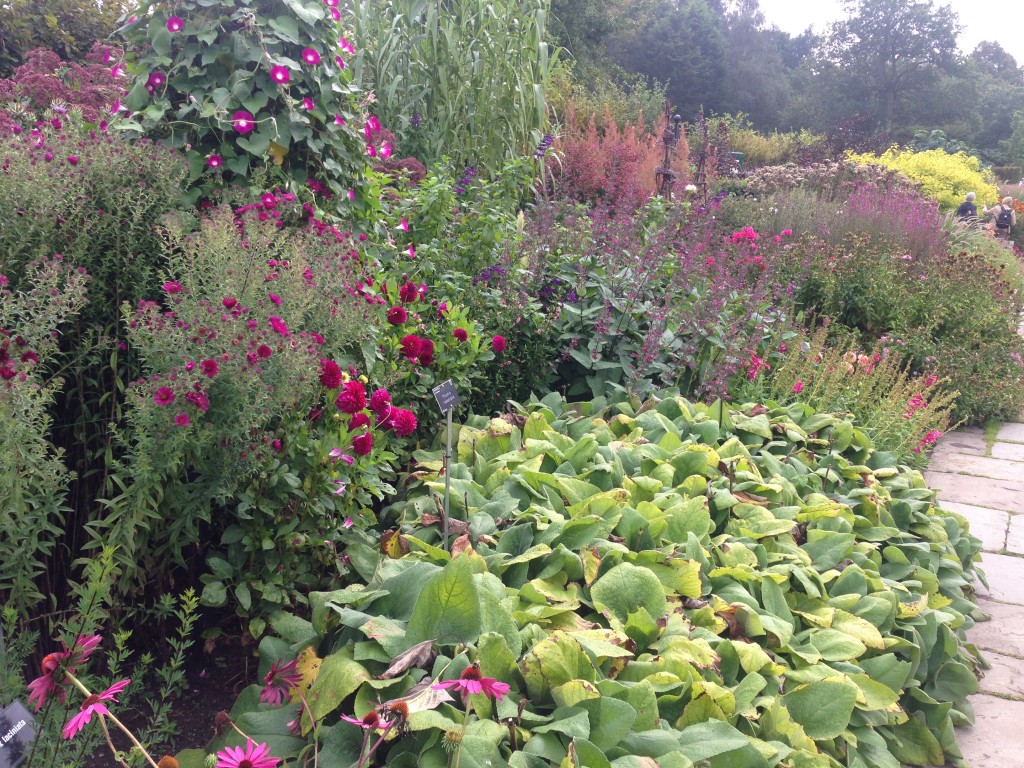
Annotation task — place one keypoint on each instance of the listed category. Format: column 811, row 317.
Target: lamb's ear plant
column 659, row 580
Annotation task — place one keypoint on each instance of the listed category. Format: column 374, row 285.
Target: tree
column 895, row 47
column 682, row 44
column 757, row 80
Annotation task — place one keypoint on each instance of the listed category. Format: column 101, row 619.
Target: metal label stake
column 447, row 398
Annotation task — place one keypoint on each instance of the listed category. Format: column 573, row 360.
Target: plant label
column 17, row 731
column 446, row 395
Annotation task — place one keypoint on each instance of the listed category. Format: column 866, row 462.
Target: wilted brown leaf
column 419, row 655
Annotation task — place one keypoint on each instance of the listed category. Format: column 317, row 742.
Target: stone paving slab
column 1011, row 451
column 1003, row 632
column 989, row 525
column 1012, row 432
column 1015, row 535
column 968, row 440
column 994, row 741
column 1005, row 676
column 980, row 466
column 1006, row 495
column 1005, row 575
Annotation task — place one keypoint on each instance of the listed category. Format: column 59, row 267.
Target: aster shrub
column 33, row 476
column 956, row 310
column 94, row 199
column 243, row 401
column 256, row 85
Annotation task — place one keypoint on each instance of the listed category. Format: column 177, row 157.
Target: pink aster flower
column 175, row 24
column 279, row 326
column 93, row 704
column 368, row 722
column 311, row 56
column 253, row 756
column 182, row 420
column 173, row 286
column 243, row 121
column 73, row 159
column 471, row 681
column 498, row 343
column 163, row 396
column 279, row 683
column 274, row 298
column 280, row 75
column 209, row 368
column 215, row 161
column 798, row 388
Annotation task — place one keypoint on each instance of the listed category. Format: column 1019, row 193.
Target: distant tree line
column 891, row 70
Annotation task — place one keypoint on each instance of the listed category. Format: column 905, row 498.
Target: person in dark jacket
column 968, row 211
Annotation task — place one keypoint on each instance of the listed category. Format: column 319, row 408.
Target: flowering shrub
column 941, row 176
column 659, row 297
column 243, row 402
column 901, row 410
column 33, row 476
column 249, row 86
column 611, row 165
column 45, row 87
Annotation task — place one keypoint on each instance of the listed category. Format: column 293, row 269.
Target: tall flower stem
column 131, row 737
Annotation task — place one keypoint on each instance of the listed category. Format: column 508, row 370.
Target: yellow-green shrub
column 941, row 176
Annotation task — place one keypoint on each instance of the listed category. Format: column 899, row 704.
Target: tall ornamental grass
column 465, row 80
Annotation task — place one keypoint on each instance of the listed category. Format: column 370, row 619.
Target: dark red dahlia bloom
column 362, row 444
column 330, row 374
column 352, row 397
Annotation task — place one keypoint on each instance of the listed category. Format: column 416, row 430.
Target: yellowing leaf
column 308, row 665
column 277, row 152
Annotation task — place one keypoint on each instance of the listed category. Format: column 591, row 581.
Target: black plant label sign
column 17, row 732
column 446, row 395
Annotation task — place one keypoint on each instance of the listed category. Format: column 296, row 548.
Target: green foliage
column 192, row 86
column 33, row 476
column 465, row 80
column 671, row 581
column 605, row 91
column 68, row 28
column 941, row 176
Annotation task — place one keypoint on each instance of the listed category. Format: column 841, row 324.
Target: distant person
column 1003, row 217
column 968, row 211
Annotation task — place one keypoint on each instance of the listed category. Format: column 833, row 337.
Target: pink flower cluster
column 914, row 404
column 927, row 440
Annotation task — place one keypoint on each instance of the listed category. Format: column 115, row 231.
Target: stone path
column 985, row 484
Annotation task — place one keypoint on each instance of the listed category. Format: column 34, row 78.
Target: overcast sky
column 1002, row 22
